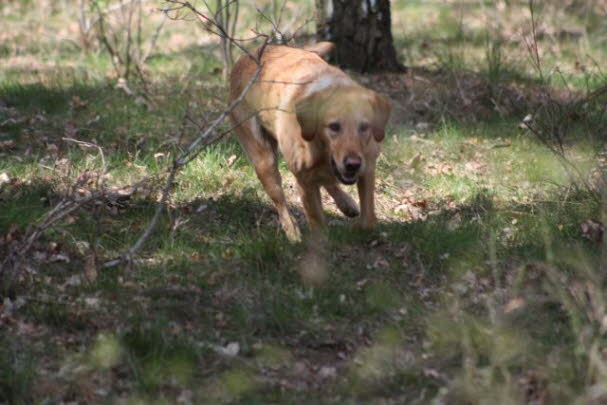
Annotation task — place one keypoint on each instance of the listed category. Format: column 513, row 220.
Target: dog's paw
column 368, row 223
column 347, row 205
column 350, row 211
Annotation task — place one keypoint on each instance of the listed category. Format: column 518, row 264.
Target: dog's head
column 348, row 119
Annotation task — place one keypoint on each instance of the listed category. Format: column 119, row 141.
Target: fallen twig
column 194, row 148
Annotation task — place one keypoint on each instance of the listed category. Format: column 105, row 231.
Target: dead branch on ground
column 76, row 197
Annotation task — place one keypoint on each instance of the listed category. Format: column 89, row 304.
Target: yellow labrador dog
column 327, row 127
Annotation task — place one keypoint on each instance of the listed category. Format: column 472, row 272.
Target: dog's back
column 281, row 64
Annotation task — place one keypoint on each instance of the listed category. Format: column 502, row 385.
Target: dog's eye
column 334, row 126
column 363, row 127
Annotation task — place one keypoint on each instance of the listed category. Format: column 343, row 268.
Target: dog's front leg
column 366, row 193
column 310, row 196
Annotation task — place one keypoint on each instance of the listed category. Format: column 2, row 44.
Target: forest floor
column 483, row 283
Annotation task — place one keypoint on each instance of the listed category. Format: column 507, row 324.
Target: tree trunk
column 361, row 31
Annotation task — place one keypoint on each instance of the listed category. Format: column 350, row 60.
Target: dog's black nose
column 352, row 163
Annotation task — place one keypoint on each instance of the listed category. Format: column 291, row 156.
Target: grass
column 482, row 283
column 17, row 372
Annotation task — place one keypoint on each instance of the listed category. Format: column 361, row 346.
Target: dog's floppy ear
column 381, row 113
column 307, row 112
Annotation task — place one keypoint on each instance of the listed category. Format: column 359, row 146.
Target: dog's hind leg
column 262, row 152
column 344, row 202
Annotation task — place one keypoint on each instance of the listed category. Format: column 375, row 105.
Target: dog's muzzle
column 346, row 178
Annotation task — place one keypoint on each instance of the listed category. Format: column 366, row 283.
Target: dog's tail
column 322, row 49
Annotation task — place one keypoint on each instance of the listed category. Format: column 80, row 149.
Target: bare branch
column 153, row 40
column 190, row 153
column 212, row 26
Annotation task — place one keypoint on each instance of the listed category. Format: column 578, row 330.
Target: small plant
column 156, row 359
column 556, row 119
column 494, row 58
column 118, row 26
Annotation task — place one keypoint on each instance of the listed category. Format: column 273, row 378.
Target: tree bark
column 361, row 31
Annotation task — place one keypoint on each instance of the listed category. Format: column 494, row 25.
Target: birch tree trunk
column 361, row 31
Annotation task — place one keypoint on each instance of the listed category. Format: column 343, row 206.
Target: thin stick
column 213, row 27
column 91, row 145
column 114, row 56
column 187, row 156
column 153, row 40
